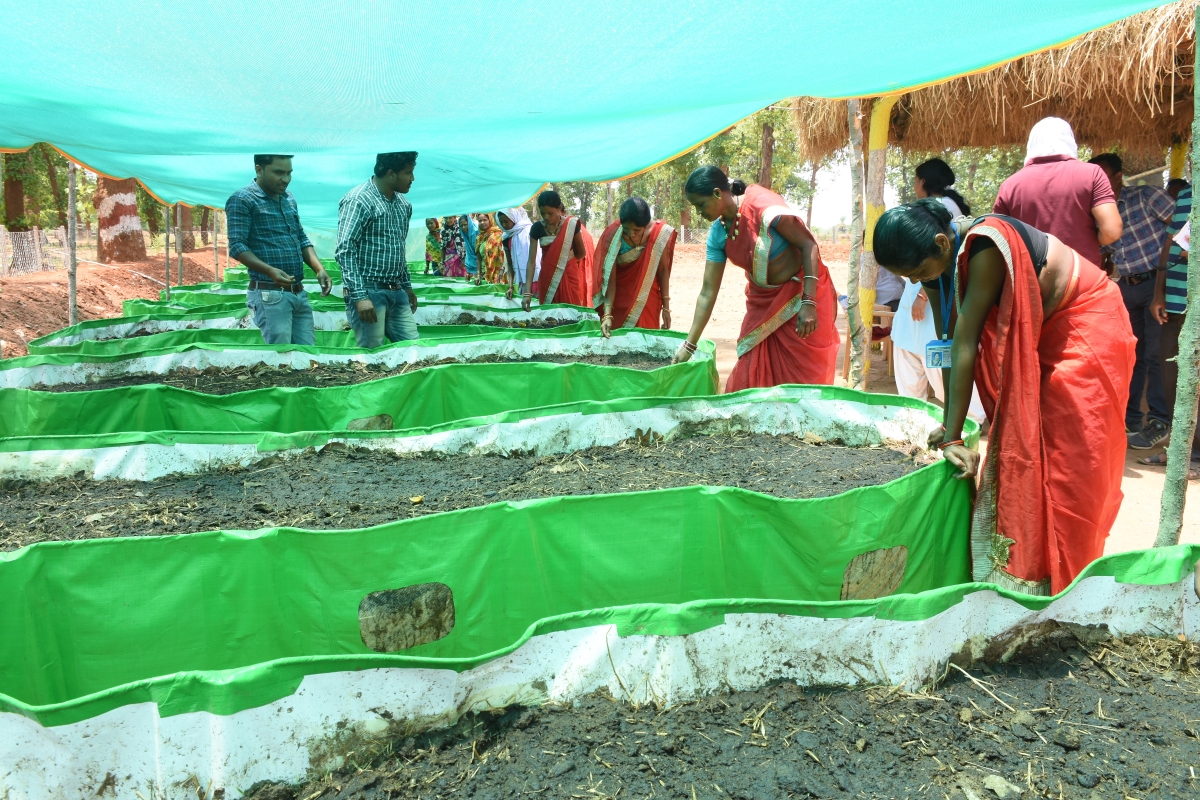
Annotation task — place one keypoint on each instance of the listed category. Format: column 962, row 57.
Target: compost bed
column 498, row 322
column 1087, row 717
column 341, row 487
column 227, row 380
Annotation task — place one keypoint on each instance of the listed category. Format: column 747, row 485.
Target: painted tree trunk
column 1183, row 423
column 119, row 227
column 868, row 267
column 186, row 233
column 205, row 213
column 854, row 318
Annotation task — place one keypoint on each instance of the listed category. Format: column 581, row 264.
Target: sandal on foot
column 1156, row 460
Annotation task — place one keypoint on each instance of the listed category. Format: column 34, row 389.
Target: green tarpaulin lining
column 112, row 350
column 421, row 398
column 230, row 620
column 490, row 126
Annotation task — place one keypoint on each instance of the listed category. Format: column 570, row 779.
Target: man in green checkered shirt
column 373, row 222
column 1170, row 303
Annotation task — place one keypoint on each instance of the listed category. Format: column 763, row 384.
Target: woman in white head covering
column 516, row 225
column 1051, row 137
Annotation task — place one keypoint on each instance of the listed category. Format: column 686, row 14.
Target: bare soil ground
column 1079, row 716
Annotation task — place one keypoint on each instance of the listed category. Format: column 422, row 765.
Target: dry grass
column 1129, row 84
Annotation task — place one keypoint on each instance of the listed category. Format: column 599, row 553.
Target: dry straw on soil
column 1129, row 84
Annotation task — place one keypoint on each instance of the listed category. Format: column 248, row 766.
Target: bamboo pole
column 854, row 319
column 167, row 247
column 179, row 239
column 868, row 267
column 1183, row 422
column 216, row 256
column 72, row 227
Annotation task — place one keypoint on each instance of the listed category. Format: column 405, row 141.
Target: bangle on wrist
column 691, row 348
column 952, row 443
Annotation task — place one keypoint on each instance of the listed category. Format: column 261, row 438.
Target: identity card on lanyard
column 937, row 352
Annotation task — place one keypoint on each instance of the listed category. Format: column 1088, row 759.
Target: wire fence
column 42, row 250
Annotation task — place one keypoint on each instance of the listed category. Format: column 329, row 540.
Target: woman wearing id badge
column 1041, row 332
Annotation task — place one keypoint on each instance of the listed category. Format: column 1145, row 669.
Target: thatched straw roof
column 1127, row 85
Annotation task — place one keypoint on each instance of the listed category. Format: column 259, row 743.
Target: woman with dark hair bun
column 1043, row 335
column 635, row 255
column 933, row 179
column 567, row 251
column 755, row 229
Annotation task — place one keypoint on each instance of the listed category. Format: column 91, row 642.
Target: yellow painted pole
column 1178, row 159
column 881, row 118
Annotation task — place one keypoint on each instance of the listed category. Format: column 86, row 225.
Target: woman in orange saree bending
column 635, row 256
column 568, row 267
column 789, row 334
column 1043, row 335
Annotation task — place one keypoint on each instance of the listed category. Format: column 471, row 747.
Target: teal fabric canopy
column 498, row 97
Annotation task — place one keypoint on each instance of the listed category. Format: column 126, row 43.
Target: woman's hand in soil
column 606, row 327
column 918, row 306
column 966, row 459
column 508, row 294
column 806, row 320
column 681, row 355
column 526, row 302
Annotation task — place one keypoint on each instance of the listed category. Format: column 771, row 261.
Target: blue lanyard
column 946, row 298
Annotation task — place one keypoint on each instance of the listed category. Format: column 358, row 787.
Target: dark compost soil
column 1088, row 717
column 349, row 488
column 531, row 324
column 227, row 380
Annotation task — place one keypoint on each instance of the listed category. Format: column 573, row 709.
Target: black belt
column 1134, row 280
column 263, row 286
column 391, row 287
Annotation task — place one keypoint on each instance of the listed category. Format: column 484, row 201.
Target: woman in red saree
column 635, row 256
column 1044, row 336
column 789, row 334
column 568, row 268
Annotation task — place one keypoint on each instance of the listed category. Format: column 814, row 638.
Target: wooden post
column 1178, row 159
column 167, row 247
column 881, row 118
column 1183, row 422
column 72, row 304
column 854, row 319
column 226, row 242
column 216, row 258
column 179, row 239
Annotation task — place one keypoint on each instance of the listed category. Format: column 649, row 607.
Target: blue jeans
column 1147, row 370
column 393, row 318
column 283, row 317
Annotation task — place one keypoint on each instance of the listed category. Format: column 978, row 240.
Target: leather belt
column 1134, row 280
column 263, row 286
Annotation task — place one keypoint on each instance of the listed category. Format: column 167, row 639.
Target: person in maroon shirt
column 1058, row 194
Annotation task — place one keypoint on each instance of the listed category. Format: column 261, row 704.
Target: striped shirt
column 371, row 238
column 1177, row 265
column 1145, row 212
column 269, row 227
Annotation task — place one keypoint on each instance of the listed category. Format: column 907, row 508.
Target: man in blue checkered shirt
column 373, row 222
column 265, row 234
column 1145, row 213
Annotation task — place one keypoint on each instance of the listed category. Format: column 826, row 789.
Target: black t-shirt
column 1036, row 242
column 538, row 230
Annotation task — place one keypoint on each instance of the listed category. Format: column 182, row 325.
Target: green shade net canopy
column 498, row 97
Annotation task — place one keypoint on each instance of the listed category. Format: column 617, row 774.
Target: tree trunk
column 24, row 255
column 120, row 228
column 768, row 155
column 204, row 223
column 854, row 319
column 685, row 215
column 187, row 234
column 881, row 112
column 608, row 213
column 1183, row 423
column 812, row 188
column 971, row 170
column 52, row 174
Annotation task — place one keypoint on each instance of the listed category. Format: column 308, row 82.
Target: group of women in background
column 1037, row 336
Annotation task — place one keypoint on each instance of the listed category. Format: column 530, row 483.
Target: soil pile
column 218, row 380
column 352, row 488
column 1081, row 716
column 500, row 322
